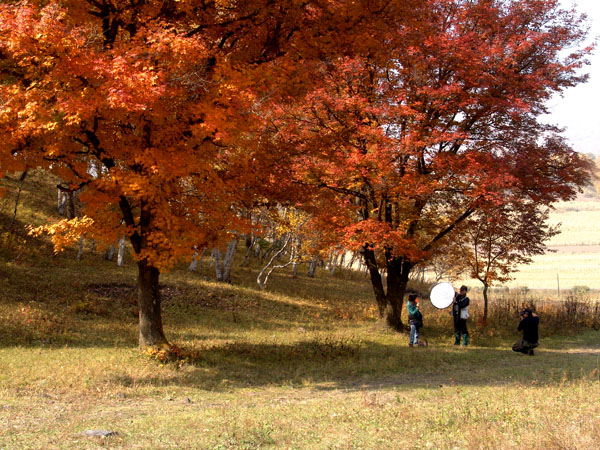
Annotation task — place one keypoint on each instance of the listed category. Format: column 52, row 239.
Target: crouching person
column 529, row 325
column 415, row 319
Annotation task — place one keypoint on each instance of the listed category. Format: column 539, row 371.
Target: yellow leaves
column 66, row 232
column 290, row 220
column 50, row 126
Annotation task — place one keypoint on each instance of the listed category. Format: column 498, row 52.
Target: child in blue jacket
column 415, row 319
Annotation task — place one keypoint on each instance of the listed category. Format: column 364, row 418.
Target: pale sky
column 579, row 109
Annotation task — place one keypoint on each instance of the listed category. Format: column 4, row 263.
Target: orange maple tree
column 494, row 242
column 157, row 111
column 439, row 122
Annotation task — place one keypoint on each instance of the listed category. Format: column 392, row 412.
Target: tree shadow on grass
column 333, row 365
column 95, row 314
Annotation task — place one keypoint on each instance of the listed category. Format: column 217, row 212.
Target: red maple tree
column 408, row 140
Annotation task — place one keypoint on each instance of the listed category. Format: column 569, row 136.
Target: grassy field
column 304, row 364
column 575, row 252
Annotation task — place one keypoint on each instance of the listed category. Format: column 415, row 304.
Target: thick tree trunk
column 376, row 282
column 70, row 206
column 151, row 329
column 398, row 270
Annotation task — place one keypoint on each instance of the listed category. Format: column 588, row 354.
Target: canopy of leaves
column 442, row 120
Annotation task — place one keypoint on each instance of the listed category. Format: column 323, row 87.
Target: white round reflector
column 442, row 295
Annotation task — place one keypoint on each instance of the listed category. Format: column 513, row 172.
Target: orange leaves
column 406, row 113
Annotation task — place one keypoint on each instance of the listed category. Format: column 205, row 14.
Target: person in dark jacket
column 529, row 325
column 415, row 319
column 460, row 313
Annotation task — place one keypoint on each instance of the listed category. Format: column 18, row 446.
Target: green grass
column 304, row 364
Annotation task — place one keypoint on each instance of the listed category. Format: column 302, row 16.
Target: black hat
column 525, row 311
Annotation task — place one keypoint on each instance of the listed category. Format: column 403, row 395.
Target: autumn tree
column 439, row 122
column 495, row 242
column 168, row 101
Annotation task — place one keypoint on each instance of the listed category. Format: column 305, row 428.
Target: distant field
column 576, row 256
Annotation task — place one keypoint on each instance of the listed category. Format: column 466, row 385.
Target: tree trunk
column 312, row 267
column 333, row 263
column 380, row 297
column 80, row 251
column 297, row 247
column 228, row 260
column 151, row 334
column 218, row 258
column 194, row 262
column 21, row 182
column 151, row 329
column 351, row 263
column 109, row 253
column 398, row 270
column 121, row 253
column 61, row 201
column 485, row 301
column 249, row 242
column 70, row 207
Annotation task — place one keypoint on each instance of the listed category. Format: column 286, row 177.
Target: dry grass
column 576, row 250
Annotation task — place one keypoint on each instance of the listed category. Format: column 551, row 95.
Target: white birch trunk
column 218, row 256
column 121, row 253
column 228, row 261
column 194, row 262
column 263, row 281
column 333, row 263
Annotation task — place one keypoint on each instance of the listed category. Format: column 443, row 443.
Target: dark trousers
column 523, row 346
column 460, row 326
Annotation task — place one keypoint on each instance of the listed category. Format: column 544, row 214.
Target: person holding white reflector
column 460, row 312
column 443, row 295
